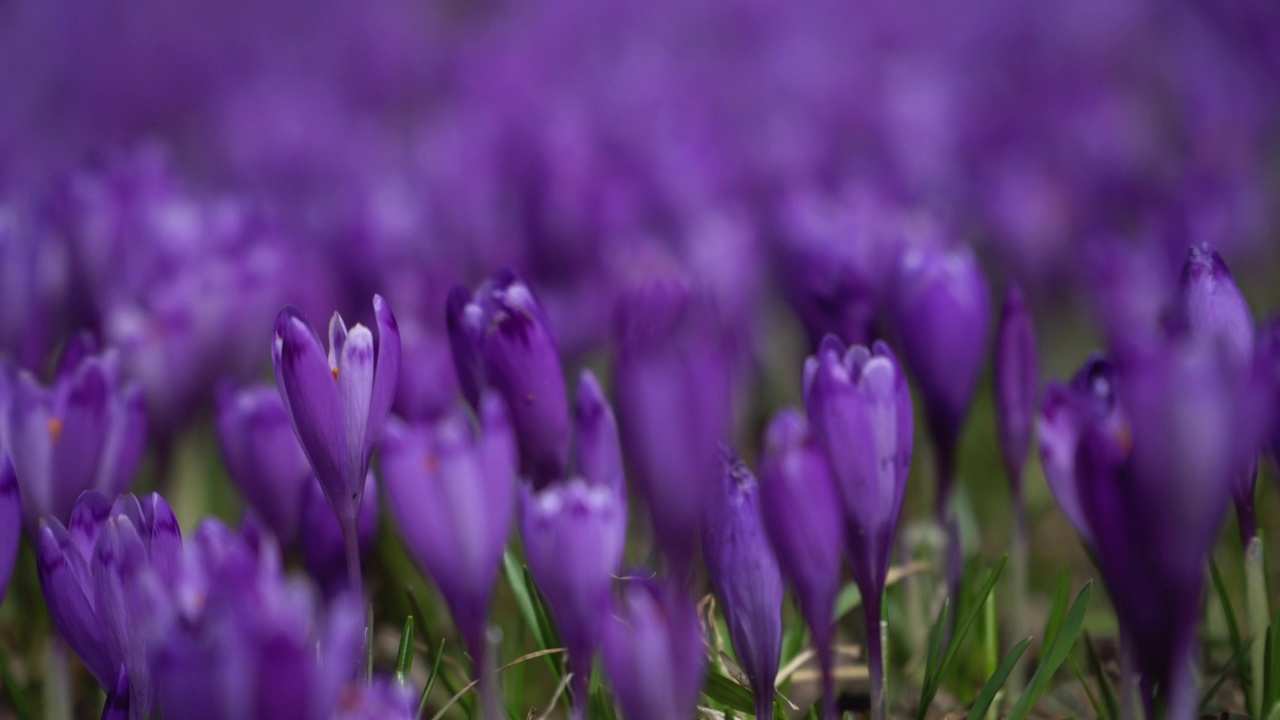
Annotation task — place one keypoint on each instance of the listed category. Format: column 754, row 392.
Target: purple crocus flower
column 83, row 432
column 104, row 578
column 381, row 699
column 339, row 404
column 1016, row 385
column 320, row 535
column 746, row 578
column 1066, row 412
column 501, row 339
column 942, row 313
column 428, row 385
column 860, row 410
column 451, row 490
column 247, row 643
column 673, row 383
column 10, row 522
column 800, row 507
column 1211, row 307
column 1154, row 500
column 653, row 651
column 573, row 536
column 597, row 450
column 116, row 706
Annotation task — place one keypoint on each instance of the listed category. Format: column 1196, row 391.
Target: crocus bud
column 573, row 536
column 264, row 457
column 252, row 644
column 673, row 384
column 451, row 490
column 104, row 578
column 10, row 522
column 320, row 536
column 1066, row 412
column 1016, row 385
column 746, row 578
column 860, row 409
column 800, row 507
column 338, row 404
column 1211, row 307
column 597, row 451
column 941, row 310
column 653, row 652
column 83, row 432
column 501, row 340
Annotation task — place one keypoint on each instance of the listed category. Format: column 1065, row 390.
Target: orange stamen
column 431, row 463
column 55, row 428
column 335, row 373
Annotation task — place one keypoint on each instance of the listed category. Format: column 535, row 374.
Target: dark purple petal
column 67, row 585
column 652, row 650
column 79, row 435
column 125, row 444
column 117, row 705
column 1211, row 305
column 386, row 374
column 598, row 452
column 466, row 326
column 1016, row 383
column 10, row 522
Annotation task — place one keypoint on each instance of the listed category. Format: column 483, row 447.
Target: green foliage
column 937, row 661
column 1063, row 640
column 988, row 694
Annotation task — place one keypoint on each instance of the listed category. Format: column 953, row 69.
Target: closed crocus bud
column 673, row 383
column 1155, row 504
column 860, row 410
column 652, row 651
column 104, row 578
column 263, row 456
column 83, row 432
column 451, row 489
column 942, row 314
column 338, row 404
column 501, row 340
column 320, row 536
column 573, row 536
column 1211, row 307
column 1016, row 384
column 252, row 644
column 746, row 578
column 597, row 451
column 800, row 508
column 10, row 522
column 1066, row 412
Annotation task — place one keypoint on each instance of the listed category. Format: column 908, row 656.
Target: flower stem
column 875, row 654
column 1259, row 614
column 1018, row 559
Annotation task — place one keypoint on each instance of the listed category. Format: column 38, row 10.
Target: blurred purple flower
column 744, row 572
column 653, row 650
column 501, row 339
column 320, row 534
column 942, row 310
column 338, row 405
column 451, row 489
column 10, row 522
column 801, row 512
column 573, row 535
column 428, row 385
column 1269, row 360
column 380, row 699
column 597, row 449
column 672, row 375
column 85, row 431
column 105, row 578
column 1016, row 386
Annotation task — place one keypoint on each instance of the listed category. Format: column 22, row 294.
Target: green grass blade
column 524, row 599
column 1233, row 665
column 20, row 703
column 404, row 655
column 1064, row 639
column 932, row 659
column 961, row 631
column 1233, row 626
column 1057, row 611
column 1100, row 676
column 1098, row 709
column 849, row 599
column 725, row 691
column 431, row 681
column 997, row 680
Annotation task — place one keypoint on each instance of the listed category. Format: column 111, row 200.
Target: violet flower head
column 451, row 489
column 1154, row 500
column 338, row 404
column 104, row 578
column 652, row 650
column 10, row 522
column 573, row 536
column 745, row 574
column 501, row 339
column 1067, row 411
column 247, row 643
column 942, row 313
column 597, row 449
column 1016, row 384
column 320, row 535
column 85, row 431
column 672, row 374
column 263, row 456
column 802, row 516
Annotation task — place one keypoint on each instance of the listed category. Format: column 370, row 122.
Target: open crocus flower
column 85, row 431
column 105, row 579
column 339, row 403
column 573, row 536
column 501, row 339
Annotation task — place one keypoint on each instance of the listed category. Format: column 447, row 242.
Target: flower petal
column 65, row 581
column 386, row 374
column 355, row 390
